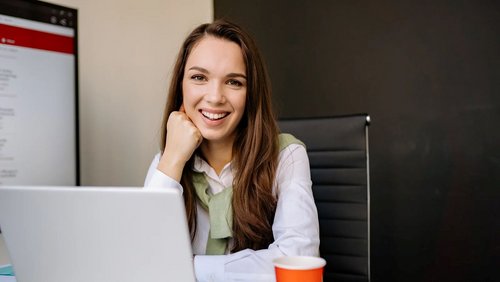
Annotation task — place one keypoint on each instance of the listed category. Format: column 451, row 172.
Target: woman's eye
column 234, row 82
column 198, row 77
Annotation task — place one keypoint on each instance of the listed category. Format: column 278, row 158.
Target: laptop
column 98, row 234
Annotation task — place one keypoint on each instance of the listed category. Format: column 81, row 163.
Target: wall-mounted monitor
column 38, row 94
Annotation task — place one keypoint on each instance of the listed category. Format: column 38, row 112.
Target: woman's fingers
column 182, row 135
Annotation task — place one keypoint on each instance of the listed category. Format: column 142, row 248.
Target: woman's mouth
column 214, row 116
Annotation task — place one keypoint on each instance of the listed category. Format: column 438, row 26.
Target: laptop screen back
column 70, row 234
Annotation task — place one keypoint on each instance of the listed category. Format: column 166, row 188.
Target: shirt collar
column 201, row 166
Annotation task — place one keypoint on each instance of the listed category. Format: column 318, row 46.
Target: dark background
column 428, row 73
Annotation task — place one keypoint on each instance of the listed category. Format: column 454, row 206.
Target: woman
column 247, row 189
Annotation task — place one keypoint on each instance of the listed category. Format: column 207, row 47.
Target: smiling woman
column 247, row 189
column 214, row 93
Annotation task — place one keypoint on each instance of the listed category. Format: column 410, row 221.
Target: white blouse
column 295, row 227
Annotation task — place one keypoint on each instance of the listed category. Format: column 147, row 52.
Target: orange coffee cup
column 299, row 269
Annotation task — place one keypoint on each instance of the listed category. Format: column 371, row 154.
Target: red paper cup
column 299, row 269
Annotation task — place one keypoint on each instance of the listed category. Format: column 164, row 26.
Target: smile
column 212, row 116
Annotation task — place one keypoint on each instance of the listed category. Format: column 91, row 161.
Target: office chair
column 338, row 153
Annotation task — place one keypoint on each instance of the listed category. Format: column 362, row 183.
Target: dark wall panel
column 428, row 73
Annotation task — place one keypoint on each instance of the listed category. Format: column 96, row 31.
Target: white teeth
column 212, row 116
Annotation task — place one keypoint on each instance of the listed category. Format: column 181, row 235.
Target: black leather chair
column 338, row 155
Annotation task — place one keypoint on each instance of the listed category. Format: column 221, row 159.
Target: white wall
column 127, row 49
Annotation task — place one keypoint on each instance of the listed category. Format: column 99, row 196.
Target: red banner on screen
column 18, row 36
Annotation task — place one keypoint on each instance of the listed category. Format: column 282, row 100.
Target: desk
column 4, row 257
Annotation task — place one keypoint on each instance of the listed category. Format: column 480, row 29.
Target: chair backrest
column 338, row 153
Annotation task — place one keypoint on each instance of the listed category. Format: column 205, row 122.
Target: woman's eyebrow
column 229, row 75
column 200, row 69
column 233, row 75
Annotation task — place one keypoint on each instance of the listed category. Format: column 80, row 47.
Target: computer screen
column 38, row 94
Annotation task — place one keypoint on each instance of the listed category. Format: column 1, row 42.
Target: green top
column 219, row 206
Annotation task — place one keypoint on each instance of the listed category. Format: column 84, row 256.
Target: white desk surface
column 4, row 257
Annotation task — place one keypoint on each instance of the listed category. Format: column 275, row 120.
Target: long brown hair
column 255, row 150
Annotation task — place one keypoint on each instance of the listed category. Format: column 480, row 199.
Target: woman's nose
column 215, row 94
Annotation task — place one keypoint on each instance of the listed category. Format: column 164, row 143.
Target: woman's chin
column 216, row 137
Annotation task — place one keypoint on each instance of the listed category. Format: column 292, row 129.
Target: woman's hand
column 183, row 137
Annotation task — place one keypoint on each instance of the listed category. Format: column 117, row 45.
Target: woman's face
column 214, row 88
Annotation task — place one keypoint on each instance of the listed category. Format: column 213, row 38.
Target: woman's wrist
column 171, row 167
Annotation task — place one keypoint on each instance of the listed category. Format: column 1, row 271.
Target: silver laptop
column 83, row 234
